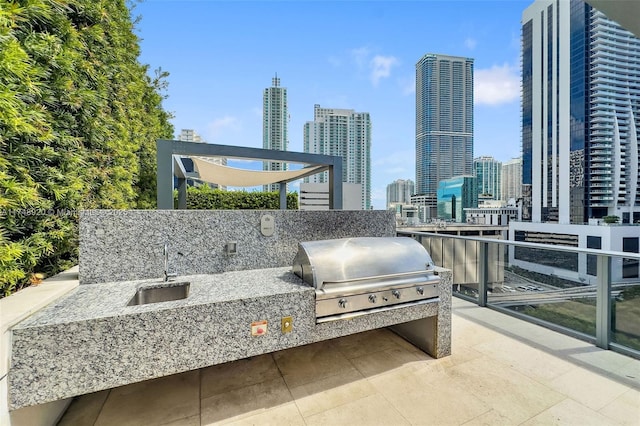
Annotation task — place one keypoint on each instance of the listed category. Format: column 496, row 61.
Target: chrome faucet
column 167, row 274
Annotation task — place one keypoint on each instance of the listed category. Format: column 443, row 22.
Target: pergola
column 170, row 165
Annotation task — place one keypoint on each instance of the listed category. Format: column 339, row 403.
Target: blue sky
column 352, row 54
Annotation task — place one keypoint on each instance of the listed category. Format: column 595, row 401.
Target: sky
column 353, row 54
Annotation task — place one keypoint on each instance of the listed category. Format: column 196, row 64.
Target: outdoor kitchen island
column 240, row 303
column 91, row 340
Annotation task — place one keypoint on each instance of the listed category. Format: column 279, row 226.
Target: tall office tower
column 580, row 114
column 400, row 192
column 512, row 179
column 444, row 120
column 346, row 133
column 488, row 173
column 275, row 120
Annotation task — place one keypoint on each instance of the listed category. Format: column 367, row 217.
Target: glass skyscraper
column 488, row 172
column 275, row 120
column 580, row 114
column 345, row 133
column 455, row 195
column 444, row 120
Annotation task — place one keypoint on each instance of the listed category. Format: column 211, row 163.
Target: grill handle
column 386, row 276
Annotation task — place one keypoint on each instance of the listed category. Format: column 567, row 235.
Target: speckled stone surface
column 123, row 245
column 91, row 340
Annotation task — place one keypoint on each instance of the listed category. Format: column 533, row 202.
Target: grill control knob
column 420, row 290
column 342, row 303
column 373, row 298
column 396, row 294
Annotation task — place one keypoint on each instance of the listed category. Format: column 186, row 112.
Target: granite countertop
column 110, row 299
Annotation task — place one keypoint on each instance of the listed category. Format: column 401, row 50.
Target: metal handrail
column 596, row 252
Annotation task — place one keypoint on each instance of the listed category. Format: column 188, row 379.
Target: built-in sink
column 164, row 292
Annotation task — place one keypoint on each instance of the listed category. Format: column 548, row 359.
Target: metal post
column 283, row 196
column 182, row 193
column 335, row 185
column 603, row 302
column 164, row 180
column 483, row 267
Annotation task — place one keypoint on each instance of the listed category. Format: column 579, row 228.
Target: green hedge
column 205, row 198
column 79, row 117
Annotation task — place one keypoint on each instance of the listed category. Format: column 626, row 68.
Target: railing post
column 483, row 265
column 182, row 193
column 603, row 302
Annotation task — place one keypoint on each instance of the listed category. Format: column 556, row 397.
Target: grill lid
column 352, row 259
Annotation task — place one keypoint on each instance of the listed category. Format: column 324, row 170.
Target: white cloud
column 496, row 85
column 470, row 43
column 377, row 66
column 381, row 67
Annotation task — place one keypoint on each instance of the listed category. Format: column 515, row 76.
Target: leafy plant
column 205, row 198
column 79, row 116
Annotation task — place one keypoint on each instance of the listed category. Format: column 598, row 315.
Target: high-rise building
column 400, row 192
column 455, row 195
column 344, row 133
column 275, row 120
column 488, row 172
column 580, row 114
column 444, row 120
column 512, row 179
column 189, row 135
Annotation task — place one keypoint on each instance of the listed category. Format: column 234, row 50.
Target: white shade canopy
column 230, row 176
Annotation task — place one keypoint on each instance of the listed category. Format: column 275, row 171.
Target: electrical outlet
column 287, row 324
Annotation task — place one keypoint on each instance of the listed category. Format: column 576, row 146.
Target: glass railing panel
column 545, row 284
column 625, row 304
column 553, row 284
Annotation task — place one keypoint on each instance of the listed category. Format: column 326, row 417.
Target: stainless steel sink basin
column 164, row 292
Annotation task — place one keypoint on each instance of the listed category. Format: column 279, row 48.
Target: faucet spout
column 167, row 274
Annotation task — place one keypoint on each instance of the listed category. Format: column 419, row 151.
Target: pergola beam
column 167, row 149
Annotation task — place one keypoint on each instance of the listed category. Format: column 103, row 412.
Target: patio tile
column 244, row 402
column 625, row 409
column 283, row 415
column 438, row 403
column 568, row 412
column 385, row 361
column 330, row 392
column 189, row 421
column 371, row 411
column 305, row 364
column 154, row 401
column 508, row 392
column 490, row 418
column 588, row 388
column 535, row 364
column 237, row 374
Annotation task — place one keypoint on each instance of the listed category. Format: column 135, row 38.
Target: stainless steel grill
column 357, row 276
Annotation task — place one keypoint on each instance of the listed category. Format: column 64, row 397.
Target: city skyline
column 219, row 67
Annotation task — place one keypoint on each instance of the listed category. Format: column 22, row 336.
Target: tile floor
column 503, row 371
